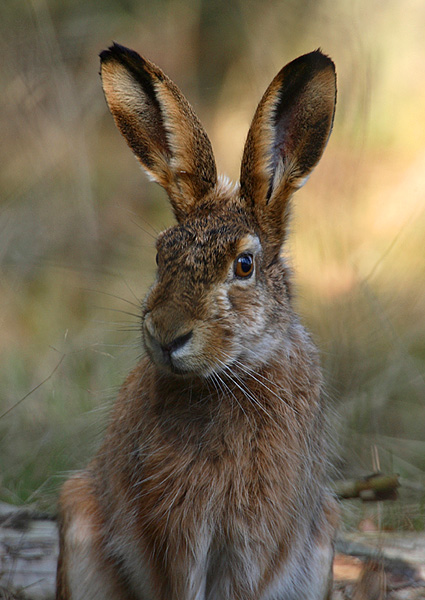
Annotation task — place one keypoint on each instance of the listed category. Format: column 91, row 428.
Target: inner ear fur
column 160, row 127
column 286, row 140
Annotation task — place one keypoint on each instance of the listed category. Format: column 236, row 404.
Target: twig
column 371, row 488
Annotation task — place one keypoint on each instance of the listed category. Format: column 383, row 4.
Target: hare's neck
column 291, row 385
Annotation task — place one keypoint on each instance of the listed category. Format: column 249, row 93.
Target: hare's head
column 222, row 297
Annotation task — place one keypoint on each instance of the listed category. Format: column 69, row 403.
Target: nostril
column 177, row 343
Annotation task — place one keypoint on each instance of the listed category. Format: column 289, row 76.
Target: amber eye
column 244, row 265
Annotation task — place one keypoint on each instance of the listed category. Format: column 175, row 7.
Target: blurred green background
column 78, row 218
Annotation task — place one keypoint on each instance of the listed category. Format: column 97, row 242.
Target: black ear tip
column 110, row 53
column 104, row 56
column 316, row 61
column 308, row 65
column 117, row 52
column 321, row 60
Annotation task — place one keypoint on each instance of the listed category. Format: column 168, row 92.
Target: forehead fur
column 205, row 243
column 218, row 220
column 203, row 233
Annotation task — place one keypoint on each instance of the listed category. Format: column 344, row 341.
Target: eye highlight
column 244, row 266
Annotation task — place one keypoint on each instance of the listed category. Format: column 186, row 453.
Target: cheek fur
column 248, row 310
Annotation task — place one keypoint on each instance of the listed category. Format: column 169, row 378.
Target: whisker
column 118, row 310
column 116, row 296
column 245, row 391
column 256, row 377
column 223, row 383
column 137, row 217
column 266, row 387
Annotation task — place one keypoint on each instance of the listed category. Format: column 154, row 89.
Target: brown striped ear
column 286, row 139
column 159, row 126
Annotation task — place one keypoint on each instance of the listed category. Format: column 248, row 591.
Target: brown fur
column 211, row 481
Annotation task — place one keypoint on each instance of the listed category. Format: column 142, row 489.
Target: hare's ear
column 159, row 126
column 286, row 139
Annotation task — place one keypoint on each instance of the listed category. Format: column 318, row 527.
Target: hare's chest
column 213, row 501
column 212, row 522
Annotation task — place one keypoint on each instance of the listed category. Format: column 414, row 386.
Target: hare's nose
column 161, row 342
column 177, row 343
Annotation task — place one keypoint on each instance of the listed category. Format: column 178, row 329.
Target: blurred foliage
column 78, row 219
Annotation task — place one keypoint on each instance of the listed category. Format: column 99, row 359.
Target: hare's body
column 211, row 483
column 192, row 507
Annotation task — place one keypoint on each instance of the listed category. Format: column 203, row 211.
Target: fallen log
column 28, row 554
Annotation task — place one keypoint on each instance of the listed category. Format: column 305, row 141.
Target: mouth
column 186, row 351
column 174, row 355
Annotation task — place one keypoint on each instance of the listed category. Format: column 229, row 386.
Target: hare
column 211, row 481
